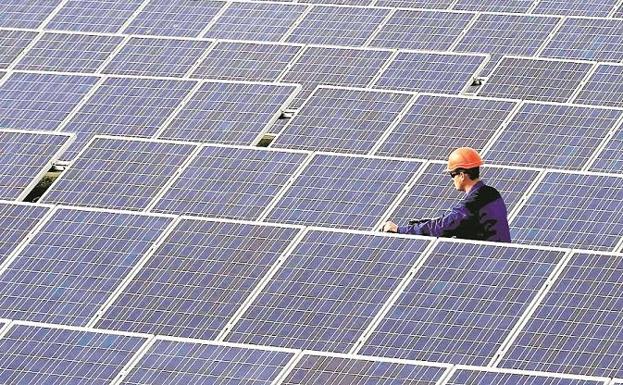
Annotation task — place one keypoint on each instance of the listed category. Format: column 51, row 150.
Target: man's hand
column 390, row 227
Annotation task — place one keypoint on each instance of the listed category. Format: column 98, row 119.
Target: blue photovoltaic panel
column 432, row 72
column 183, row 363
column 231, row 113
column 342, row 120
column 429, row 4
column 179, row 18
column 595, row 8
column 619, row 13
column 33, row 101
column 16, row 221
column 128, row 107
column 346, row 26
column 246, row 61
column 25, row 13
column 119, row 173
column 500, row 35
column 94, row 15
column 23, row 157
column 552, row 135
column 462, row 303
column 69, row 52
column 610, row 159
column 12, row 43
column 572, row 210
column 468, row 121
column 45, row 355
column 421, row 29
column 230, row 182
column 577, row 327
column 157, row 57
column 196, row 281
column 336, row 67
column 604, row 87
column 74, row 263
column 328, row 290
column 535, row 79
column 255, row 21
column 470, row 377
column 433, row 194
column 510, row 6
column 312, row 370
column 588, row 39
column 343, row 191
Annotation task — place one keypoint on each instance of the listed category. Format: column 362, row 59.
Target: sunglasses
column 454, row 173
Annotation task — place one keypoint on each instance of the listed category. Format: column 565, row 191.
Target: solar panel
column 345, row 26
column 179, row 18
column 157, row 57
column 462, row 303
column 431, row 71
column 433, row 193
column 342, row 120
column 500, row 35
column 183, row 363
column 468, row 121
column 501, row 377
column 421, row 29
column 25, row 13
column 33, row 101
column 94, row 15
column 610, row 159
column 336, row 67
column 604, row 87
column 16, row 221
column 619, row 13
column 511, row 6
column 230, row 182
column 24, row 158
column 535, row 79
column 12, row 43
column 576, row 329
column 119, row 173
column 328, row 290
column 231, row 113
column 429, row 4
column 128, row 107
column 588, row 39
column 339, row 2
column 553, row 135
column 197, row 280
column 572, row 210
column 74, row 263
column 59, row 356
column 595, row 8
column 255, row 21
column 69, row 52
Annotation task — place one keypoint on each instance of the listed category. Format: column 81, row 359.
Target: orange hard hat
column 464, row 157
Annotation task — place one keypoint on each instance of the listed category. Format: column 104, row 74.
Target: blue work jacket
column 481, row 215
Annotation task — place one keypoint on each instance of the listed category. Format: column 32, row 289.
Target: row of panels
column 450, row 301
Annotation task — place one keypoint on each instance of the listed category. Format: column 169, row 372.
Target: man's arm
column 444, row 226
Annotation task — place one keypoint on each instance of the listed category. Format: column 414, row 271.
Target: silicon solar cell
column 69, row 52
column 246, row 61
column 343, row 191
column 500, row 35
column 342, row 120
column 610, row 159
column 511, row 6
column 468, row 377
column 595, row 8
column 535, row 79
column 16, row 221
column 576, row 329
column 429, row 4
column 328, row 290
column 469, row 121
column 198, row 279
column 462, row 303
column 157, row 57
column 12, row 43
column 572, row 210
column 255, row 21
column 346, row 26
column 51, row 356
column 181, row 18
column 588, row 39
column 74, row 263
column 231, row 113
column 230, row 182
column 433, row 193
column 119, row 173
column 183, row 363
column 128, row 107
column 25, row 13
column 34, row 101
column 619, row 13
column 94, row 15
column 430, row 72
column 604, row 87
column 421, row 29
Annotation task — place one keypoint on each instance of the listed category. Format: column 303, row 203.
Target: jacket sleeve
column 444, row 226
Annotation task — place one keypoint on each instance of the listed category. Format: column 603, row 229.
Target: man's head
column 464, row 168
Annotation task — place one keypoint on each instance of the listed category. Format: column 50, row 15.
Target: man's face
column 458, row 179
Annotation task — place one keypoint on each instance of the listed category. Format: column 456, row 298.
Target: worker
column 481, row 215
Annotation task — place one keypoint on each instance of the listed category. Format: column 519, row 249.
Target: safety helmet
column 465, row 158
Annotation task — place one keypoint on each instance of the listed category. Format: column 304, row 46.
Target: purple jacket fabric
column 481, row 215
